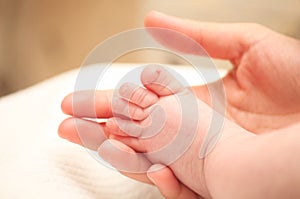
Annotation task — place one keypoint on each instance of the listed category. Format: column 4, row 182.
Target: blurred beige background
column 41, row 38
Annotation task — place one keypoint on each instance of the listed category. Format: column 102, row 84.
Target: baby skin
column 162, row 123
column 167, row 124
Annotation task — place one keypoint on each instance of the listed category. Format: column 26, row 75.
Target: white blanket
column 36, row 163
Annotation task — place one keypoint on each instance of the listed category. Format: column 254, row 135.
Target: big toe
column 160, row 81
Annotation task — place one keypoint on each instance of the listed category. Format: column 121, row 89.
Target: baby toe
column 125, row 109
column 137, row 95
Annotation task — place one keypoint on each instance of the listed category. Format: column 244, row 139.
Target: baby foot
column 162, row 121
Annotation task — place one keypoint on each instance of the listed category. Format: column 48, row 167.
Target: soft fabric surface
column 36, row 163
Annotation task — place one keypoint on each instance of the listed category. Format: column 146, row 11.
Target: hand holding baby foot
column 169, row 125
column 262, row 95
column 167, row 101
column 172, row 129
column 235, row 164
column 236, row 161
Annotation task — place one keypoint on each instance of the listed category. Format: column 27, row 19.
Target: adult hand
column 263, row 87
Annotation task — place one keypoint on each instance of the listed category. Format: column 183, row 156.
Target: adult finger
column 220, row 40
column 168, row 184
column 88, row 103
column 83, row 132
column 123, row 158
